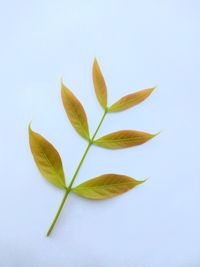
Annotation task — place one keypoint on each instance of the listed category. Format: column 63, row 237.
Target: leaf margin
column 100, row 90
column 79, row 190
column 118, row 105
column 102, row 139
column 84, row 129
column 60, row 183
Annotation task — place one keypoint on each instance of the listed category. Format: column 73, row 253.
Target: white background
column 138, row 44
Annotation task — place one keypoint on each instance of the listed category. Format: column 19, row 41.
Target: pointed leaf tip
column 156, row 134
column 75, row 112
column 29, row 125
column 47, row 159
column 131, row 100
column 106, row 186
column 61, row 80
column 123, row 139
column 143, row 181
column 99, row 84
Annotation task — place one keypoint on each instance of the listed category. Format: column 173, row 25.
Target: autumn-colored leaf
column 123, row 139
column 106, row 186
column 47, row 159
column 99, row 84
column 75, row 112
column 131, row 100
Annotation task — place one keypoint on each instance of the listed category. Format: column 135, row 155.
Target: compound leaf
column 99, row 84
column 131, row 100
column 106, row 186
column 75, row 112
column 47, row 159
column 123, row 139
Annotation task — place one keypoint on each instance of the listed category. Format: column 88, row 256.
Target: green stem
column 58, row 213
column 68, row 189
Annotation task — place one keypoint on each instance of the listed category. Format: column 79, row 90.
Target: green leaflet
column 75, row 112
column 47, row 159
column 99, row 84
column 106, row 186
column 123, row 139
column 131, row 100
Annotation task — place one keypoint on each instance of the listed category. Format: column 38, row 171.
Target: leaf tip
column 154, row 87
column 138, row 182
column 151, row 89
column 29, row 126
column 64, row 89
column 143, row 181
column 61, row 80
column 62, row 83
column 95, row 60
column 156, row 134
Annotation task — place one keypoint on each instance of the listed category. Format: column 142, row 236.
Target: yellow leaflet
column 47, row 159
column 75, row 112
column 106, row 186
column 123, row 139
column 131, row 100
column 99, row 84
